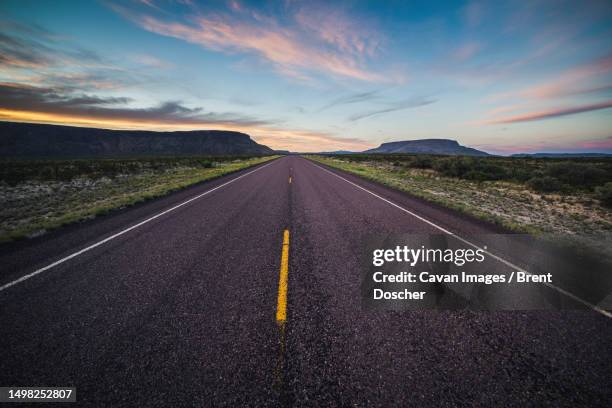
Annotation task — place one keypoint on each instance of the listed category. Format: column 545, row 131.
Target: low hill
column 428, row 146
column 35, row 140
column 338, row 152
column 561, row 155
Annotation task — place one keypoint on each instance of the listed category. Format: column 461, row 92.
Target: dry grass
column 32, row 207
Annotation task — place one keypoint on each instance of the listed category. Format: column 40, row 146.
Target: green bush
column 520, row 174
column 604, row 194
column 14, row 172
column 491, row 171
column 470, row 168
column 454, row 166
column 578, row 175
column 565, row 175
column 545, row 184
column 476, row 175
column 421, row 162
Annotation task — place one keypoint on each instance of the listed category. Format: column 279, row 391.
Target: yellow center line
column 279, row 369
column 281, row 308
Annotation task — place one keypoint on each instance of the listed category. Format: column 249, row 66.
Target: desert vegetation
column 568, row 199
column 563, row 176
column 39, row 195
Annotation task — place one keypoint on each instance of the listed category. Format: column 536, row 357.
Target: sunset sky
column 504, row 77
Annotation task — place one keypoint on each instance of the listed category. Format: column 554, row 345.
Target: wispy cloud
column 548, row 114
column 590, row 78
column 152, row 61
column 599, row 144
column 352, row 98
column 60, row 102
column 17, row 53
column 574, row 81
column 33, row 47
column 466, row 51
column 336, row 29
column 292, row 49
column 551, row 146
column 149, row 3
column 392, row 107
column 32, row 55
column 308, row 141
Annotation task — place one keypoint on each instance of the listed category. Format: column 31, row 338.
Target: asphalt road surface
column 182, row 309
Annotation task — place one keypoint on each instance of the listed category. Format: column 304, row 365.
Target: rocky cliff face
column 34, row 140
column 427, row 146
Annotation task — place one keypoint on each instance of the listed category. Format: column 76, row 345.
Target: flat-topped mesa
column 45, row 141
column 427, row 146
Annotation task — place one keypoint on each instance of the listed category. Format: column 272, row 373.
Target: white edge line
column 465, row 241
column 105, row 240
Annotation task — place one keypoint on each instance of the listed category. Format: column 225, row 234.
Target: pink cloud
column 466, row 51
column 151, row 61
column 595, row 145
column 335, row 29
column 569, row 83
column 547, row 114
column 340, row 50
column 504, row 109
column 235, row 5
column 582, row 79
column 604, row 144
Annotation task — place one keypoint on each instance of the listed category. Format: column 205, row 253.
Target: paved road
column 181, row 311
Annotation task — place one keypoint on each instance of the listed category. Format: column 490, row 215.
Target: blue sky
column 505, row 77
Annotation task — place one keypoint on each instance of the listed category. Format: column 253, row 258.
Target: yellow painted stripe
column 281, row 308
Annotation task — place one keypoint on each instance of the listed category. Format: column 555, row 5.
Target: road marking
column 105, row 240
column 465, row 241
column 289, row 179
column 281, row 307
